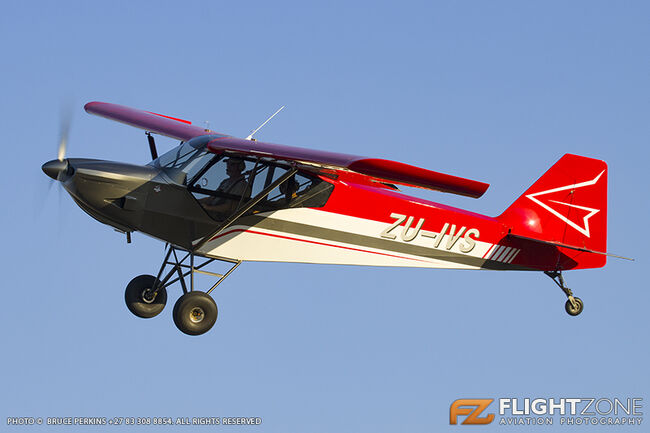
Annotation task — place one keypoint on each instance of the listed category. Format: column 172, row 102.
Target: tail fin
column 567, row 205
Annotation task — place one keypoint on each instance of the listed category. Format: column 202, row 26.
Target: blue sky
column 494, row 91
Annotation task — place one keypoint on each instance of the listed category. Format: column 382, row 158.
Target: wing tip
column 90, row 105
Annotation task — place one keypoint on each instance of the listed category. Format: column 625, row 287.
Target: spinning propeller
column 56, row 167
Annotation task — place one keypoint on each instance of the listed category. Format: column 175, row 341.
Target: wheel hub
column 197, row 315
column 148, row 296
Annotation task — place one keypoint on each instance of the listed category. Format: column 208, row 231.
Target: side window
column 228, row 183
column 311, row 192
column 223, row 187
column 300, row 190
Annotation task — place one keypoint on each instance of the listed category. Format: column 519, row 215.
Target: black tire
column 139, row 299
column 195, row 313
column 574, row 311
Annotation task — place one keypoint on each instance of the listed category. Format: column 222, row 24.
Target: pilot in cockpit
column 235, row 185
column 289, row 189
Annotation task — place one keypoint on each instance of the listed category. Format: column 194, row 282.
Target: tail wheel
column 141, row 299
column 574, row 308
column 195, row 313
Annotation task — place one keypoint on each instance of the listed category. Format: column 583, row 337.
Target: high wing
column 378, row 169
column 152, row 122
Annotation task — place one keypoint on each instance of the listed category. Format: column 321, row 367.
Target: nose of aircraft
column 55, row 167
column 101, row 188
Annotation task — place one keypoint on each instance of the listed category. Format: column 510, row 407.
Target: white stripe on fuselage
column 261, row 244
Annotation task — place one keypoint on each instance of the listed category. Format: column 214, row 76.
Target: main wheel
column 195, row 313
column 140, row 298
column 574, row 311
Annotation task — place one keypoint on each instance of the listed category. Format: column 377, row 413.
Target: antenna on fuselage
column 250, row 136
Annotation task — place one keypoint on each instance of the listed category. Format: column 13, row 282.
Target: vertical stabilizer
column 567, row 205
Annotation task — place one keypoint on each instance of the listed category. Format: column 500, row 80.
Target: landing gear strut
column 195, row 312
column 573, row 305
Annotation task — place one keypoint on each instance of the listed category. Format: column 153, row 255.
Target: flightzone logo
column 547, row 411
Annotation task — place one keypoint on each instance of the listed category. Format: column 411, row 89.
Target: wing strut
column 248, row 206
column 152, row 145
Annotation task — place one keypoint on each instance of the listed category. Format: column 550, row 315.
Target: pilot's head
column 234, row 166
column 289, row 187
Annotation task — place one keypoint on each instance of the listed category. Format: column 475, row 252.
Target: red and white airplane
column 271, row 202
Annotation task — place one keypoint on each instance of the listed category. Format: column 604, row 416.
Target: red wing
column 158, row 123
column 391, row 171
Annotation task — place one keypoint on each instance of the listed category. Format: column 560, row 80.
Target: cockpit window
column 228, row 182
column 175, row 158
column 185, row 161
column 182, row 156
column 222, row 187
column 222, row 183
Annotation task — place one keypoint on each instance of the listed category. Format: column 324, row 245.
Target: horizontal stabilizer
column 559, row 244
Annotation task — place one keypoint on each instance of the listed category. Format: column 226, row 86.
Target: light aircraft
column 220, row 198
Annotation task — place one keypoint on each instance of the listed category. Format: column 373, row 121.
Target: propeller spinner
column 60, row 165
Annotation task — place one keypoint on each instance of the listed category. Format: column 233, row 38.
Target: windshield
column 184, row 156
column 184, row 162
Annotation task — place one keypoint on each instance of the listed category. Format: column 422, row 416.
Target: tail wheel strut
column 573, row 305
